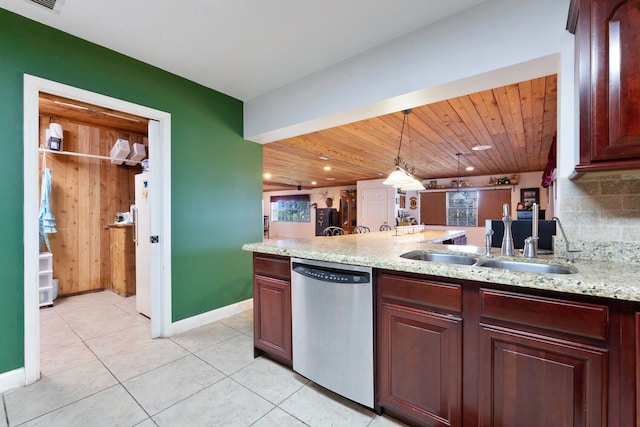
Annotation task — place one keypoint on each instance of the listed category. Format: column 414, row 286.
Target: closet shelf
column 91, row 156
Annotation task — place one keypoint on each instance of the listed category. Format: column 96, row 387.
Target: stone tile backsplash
column 600, row 212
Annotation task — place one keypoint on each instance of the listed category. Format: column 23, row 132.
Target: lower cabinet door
column 530, row 380
column 272, row 316
column 419, row 365
column 637, row 364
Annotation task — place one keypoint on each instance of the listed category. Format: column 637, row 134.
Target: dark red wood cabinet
column 433, row 208
column 490, row 204
column 419, row 350
column 542, row 361
column 463, row 353
column 532, row 380
column 608, row 52
column 272, row 306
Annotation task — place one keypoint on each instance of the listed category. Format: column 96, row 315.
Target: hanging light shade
column 398, row 178
column 414, row 185
column 402, row 177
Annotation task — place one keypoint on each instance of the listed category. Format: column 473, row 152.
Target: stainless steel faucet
column 531, row 242
column 507, row 237
column 487, row 243
column 568, row 254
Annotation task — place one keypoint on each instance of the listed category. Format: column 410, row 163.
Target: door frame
column 160, row 172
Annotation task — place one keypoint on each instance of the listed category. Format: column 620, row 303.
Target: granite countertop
column 383, row 249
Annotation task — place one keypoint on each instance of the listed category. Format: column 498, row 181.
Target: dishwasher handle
column 333, row 275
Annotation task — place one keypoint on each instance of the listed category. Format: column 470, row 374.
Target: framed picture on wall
column 529, row 196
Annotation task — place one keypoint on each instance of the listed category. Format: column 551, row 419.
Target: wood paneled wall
column 86, row 194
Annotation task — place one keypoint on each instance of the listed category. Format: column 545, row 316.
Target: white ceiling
column 243, row 48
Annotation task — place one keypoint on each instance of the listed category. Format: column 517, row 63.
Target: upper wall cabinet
column 608, row 52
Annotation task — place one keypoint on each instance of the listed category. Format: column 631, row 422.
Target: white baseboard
column 12, row 379
column 210, row 316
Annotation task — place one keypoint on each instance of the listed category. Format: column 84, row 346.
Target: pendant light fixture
column 402, row 177
column 458, row 195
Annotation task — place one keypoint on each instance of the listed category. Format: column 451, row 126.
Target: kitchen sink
column 439, row 257
column 526, row 266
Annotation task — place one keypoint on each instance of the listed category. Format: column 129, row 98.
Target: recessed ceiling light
column 330, row 179
column 469, row 168
column 313, row 183
column 327, row 168
column 481, row 147
column 323, row 157
column 267, row 175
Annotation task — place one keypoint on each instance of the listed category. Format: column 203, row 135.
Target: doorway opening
column 159, row 145
column 89, row 199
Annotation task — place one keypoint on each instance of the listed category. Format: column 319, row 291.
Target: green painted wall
column 216, row 174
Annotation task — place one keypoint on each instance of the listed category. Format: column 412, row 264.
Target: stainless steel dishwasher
column 332, row 327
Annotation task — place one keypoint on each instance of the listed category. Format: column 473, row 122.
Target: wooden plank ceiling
column 81, row 112
column 518, row 121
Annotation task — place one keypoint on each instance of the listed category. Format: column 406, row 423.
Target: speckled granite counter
column 383, row 249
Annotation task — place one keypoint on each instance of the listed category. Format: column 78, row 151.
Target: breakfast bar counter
column 382, row 250
column 442, row 325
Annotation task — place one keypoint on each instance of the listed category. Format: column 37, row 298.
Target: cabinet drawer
column 272, row 266
column 421, row 292
column 587, row 320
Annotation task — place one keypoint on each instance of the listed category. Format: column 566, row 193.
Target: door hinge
column 154, row 239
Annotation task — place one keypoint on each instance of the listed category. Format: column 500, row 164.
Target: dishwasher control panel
column 332, row 275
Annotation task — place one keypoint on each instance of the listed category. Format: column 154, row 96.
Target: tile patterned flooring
column 100, row 368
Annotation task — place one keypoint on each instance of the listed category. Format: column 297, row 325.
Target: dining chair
column 333, row 231
column 361, row 229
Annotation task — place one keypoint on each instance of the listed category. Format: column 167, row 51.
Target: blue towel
column 47, row 220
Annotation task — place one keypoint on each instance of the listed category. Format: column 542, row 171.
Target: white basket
column 120, row 151
column 137, row 154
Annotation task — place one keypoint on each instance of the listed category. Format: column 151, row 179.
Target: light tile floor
column 100, row 368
